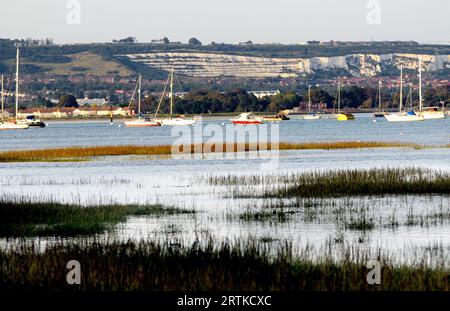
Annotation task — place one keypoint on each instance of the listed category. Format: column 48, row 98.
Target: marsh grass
column 26, row 219
column 241, row 266
column 263, row 215
column 86, row 153
column 337, row 183
column 361, row 213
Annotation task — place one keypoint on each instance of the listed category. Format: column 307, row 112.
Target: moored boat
column 342, row 116
column 12, row 124
column 179, row 120
column 379, row 113
column 428, row 113
column 431, row 113
column 140, row 121
column 403, row 116
column 276, row 118
column 32, row 121
column 246, row 118
column 311, row 115
column 172, row 121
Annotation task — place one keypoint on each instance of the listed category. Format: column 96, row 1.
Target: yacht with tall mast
column 14, row 124
column 403, row 116
column 342, row 116
column 428, row 113
column 171, row 120
column 140, row 121
column 310, row 115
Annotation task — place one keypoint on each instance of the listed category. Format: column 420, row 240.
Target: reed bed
column 337, row 183
column 349, row 213
column 85, row 153
column 241, row 266
column 26, row 219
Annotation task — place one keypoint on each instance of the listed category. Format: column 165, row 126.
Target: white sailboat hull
column 141, row 123
column 311, row 117
column 395, row 117
column 432, row 115
column 175, row 122
column 13, row 126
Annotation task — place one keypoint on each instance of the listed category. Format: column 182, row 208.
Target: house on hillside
column 262, row 94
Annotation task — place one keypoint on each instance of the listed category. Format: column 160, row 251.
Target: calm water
column 85, row 133
column 180, row 182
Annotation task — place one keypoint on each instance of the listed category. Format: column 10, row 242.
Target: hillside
column 85, row 63
column 355, row 65
column 360, row 59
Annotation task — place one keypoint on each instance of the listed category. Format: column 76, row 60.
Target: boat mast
column 139, row 96
column 3, row 100
column 309, row 98
column 379, row 94
column 410, row 95
column 17, row 82
column 420, row 85
column 171, row 93
column 339, row 96
column 401, row 87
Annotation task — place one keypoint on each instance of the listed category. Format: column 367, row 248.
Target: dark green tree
column 194, row 41
column 68, row 101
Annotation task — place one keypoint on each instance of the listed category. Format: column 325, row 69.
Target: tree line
column 239, row 100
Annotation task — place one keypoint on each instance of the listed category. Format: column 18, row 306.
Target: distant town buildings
column 62, row 113
column 92, row 102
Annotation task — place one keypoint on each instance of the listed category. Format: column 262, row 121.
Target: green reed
column 24, row 218
column 241, row 266
column 337, row 183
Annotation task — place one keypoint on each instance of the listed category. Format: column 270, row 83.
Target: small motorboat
column 276, row 118
column 311, row 116
column 345, row 116
column 380, row 114
column 32, row 121
column 246, row 118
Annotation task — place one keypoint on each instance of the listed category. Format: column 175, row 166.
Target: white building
column 262, row 94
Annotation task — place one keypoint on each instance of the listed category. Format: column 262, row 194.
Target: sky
column 230, row 21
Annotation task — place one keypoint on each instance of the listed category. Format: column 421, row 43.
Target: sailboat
column 310, row 115
column 428, row 113
column 342, row 116
column 380, row 112
column 140, row 122
column 178, row 120
column 15, row 124
column 403, row 116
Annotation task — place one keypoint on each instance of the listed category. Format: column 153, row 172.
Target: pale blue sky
column 231, row 21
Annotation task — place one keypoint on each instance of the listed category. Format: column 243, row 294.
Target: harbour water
column 101, row 133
